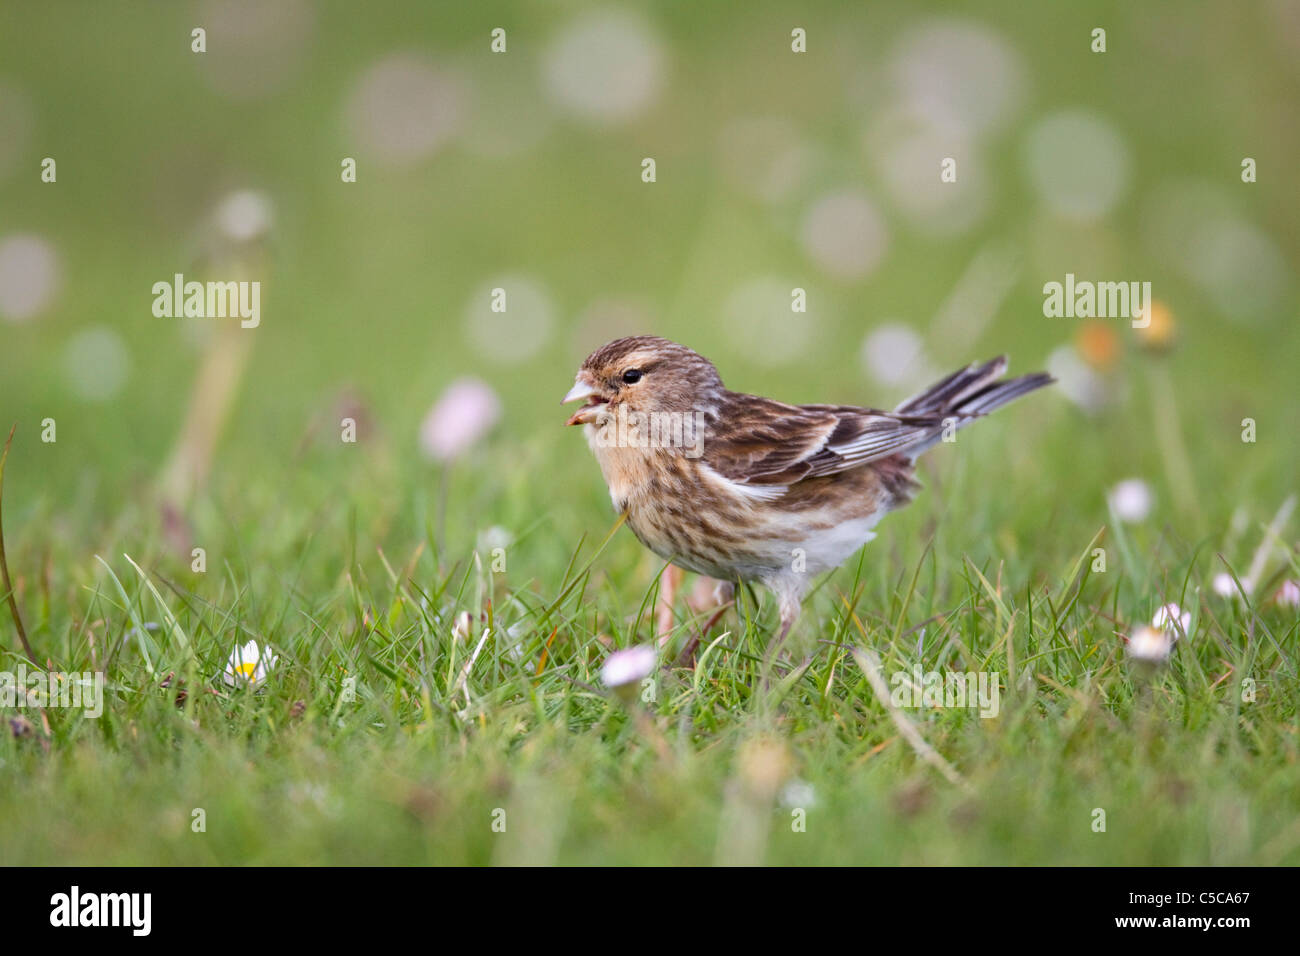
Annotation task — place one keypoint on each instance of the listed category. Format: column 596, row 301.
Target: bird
column 744, row 488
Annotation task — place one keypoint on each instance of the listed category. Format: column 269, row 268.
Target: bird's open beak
column 583, row 389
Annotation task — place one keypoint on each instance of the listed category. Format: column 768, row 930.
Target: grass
column 336, row 556
column 413, row 768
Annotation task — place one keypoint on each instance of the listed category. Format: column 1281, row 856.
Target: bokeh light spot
column 29, row 276
column 605, row 66
column 844, row 235
column 96, row 363
column 404, row 109
column 517, row 333
column 1078, row 164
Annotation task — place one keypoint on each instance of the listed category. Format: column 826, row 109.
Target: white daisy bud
column 1150, row 645
column 244, row 215
column 1131, row 500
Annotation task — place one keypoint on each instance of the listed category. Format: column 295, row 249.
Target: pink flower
column 466, row 411
column 1172, row 618
column 1225, row 586
column 628, row 666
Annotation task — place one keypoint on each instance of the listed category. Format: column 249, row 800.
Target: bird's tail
column 968, row 394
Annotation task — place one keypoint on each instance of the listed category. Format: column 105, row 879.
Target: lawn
column 440, row 610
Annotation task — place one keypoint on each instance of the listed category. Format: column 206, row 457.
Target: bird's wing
column 757, row 441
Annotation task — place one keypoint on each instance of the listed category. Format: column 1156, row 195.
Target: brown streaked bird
column 744, row 488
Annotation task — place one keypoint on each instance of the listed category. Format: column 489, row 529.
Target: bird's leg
column 789, row 614
column 789, row 606
column 668, row 582
column 724, row 594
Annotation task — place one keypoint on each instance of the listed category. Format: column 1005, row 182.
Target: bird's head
column 645, row 374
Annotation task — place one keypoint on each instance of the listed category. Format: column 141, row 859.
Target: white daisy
column 248, row 666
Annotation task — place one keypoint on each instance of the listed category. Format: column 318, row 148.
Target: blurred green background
column 477, row 170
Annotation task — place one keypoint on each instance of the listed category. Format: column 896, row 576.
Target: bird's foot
column 668, row 583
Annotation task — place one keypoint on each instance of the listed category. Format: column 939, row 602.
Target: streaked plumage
column 779, row 493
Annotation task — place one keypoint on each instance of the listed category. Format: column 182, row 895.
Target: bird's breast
column 629, row 473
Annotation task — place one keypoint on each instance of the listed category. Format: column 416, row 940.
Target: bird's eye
column 632, row 376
